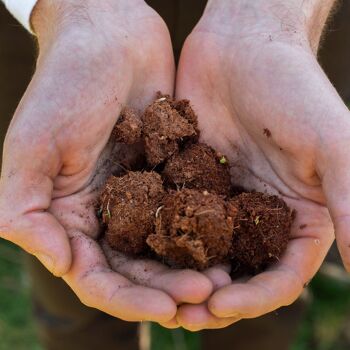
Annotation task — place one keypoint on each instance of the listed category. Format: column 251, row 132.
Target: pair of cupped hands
column 243, row 72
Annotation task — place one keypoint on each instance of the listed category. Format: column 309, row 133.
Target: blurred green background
column 326, row 325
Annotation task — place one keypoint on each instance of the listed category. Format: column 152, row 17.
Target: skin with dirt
column 182, row 211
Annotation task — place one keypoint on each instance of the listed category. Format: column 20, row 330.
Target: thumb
column 336, row 187
column 25, row 221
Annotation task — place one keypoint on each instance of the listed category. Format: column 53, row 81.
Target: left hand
column 263, row 100
column 94, row 58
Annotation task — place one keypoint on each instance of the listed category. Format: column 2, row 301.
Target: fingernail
column 234, row 315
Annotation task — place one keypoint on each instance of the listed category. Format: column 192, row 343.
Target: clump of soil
column 193, row 229
column 129, row 204
column 183, row 107
column 200, row 167
column 165, row 129
column 185, row 213
column 262, row 229
column 128, row 127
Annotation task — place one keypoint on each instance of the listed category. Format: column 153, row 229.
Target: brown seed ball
column 199, row 167
column 129, row 204
column 193, row 229
column 128, row 128
column 184, row 108
column 262, row 229
column 164, row 129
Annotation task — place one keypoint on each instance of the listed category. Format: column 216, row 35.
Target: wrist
column 51, row 18
column 46, row 17
column 300, row 21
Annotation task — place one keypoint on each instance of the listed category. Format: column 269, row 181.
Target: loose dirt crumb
column 128, row 127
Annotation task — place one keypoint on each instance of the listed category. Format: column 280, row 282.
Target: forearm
column 297, row 19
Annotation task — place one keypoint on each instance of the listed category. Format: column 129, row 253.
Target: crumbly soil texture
column 180, row 208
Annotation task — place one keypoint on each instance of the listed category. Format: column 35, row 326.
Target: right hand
column 94, row 58
column 250, row 71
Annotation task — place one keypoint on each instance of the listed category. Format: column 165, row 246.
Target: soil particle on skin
column 198, row 167
column 128, row 128
column 262, row 229
column 166, row 128
column 193, row 229
column 267, row 132
column 128, row 205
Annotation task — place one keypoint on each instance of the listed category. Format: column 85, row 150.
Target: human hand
column 94, row 58
column 250, row 70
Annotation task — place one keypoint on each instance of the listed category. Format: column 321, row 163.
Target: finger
column 278, row 286
column 197, row 317
column 99, row 287
column 184, row 286
column 42, row 236
column 172, row 324
column 219, row 276
column 281, row 284
column 336, row 185
column 25, row 222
